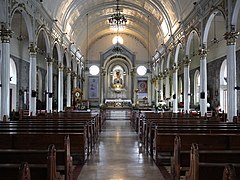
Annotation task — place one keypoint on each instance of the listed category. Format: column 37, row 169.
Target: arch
column 179, row 46
column 13, row 85
column 168, row 60
column 13, row 72
column 46, row 38
column 59, row 51
column 197, row 87
column 27, row 20
column 208, row 24
column 189, row 40
column 235, row 14
column 161, row 65
column 223, row 86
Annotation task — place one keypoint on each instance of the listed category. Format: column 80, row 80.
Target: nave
column 118, row 155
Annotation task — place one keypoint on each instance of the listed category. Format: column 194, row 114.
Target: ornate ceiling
column 158, row 17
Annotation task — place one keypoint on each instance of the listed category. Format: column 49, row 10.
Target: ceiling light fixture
column 117, row 21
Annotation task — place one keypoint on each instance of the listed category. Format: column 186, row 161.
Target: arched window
column 13, row 72
column 197, row 87
column 223, row 86
column 180, row 90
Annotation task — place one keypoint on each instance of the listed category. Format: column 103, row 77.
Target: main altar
column 118, row 102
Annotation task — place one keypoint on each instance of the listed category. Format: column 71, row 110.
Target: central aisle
column 118, row 156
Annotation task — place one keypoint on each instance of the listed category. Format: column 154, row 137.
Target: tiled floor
column 118, row 155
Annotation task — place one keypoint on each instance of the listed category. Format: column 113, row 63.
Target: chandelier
column 117, row 21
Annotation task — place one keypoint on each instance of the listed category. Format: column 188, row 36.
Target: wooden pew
column 181, row 158
column 163, row 143
column 201, row 127
column 205, row 170
column 229, row 173
column 37, row 171
column 35, row 157
column 40, row 140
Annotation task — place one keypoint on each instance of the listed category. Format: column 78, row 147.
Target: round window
column 94, row 70
column 141, row 70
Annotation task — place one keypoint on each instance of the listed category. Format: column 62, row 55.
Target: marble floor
column 118, row 156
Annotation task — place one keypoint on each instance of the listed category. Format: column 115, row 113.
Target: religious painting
column 93, row 87
column 142, row 86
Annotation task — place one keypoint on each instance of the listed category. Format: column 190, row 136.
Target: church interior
column 117, row 89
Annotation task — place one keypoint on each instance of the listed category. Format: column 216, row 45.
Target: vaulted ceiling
column 156, row 18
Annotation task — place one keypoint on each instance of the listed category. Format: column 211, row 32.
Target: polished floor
column 118, row 156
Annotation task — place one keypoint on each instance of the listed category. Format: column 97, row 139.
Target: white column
column 203, row 82
column 50, row 83
column 5, row 72
column 186, row 85
column 60, row 88
column 74, row 80
column 175, row 89
column 69, row 88
column 161, row 87
column 33, row 81
column 231, row 75
column 167, row 88
column 46, row 88
column 102, row 77
column 157, row 91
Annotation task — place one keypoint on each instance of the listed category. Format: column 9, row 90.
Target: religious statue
column 118, row 79
column 117, row 82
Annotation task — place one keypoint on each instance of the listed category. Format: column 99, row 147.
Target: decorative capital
column 166, row 72
column 49, row 59
column 186, row 61
column 103, row 73
column 32, row 49
column 60, row 67
column 175, row 67
column 74, row 74
column 5, row 34
column 231, row 37
column 161, row 76
column 69, row 70
column 203, row 52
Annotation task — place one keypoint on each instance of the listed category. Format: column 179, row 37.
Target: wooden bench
column 210, row 169
column 40, row 140
column 37, row 171
column 92, row 130
column 39, row 156
column 180, row 162
column 175, row 127
column 163, row 143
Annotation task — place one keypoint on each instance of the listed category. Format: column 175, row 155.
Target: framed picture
column 93, row 87
column 142, row 86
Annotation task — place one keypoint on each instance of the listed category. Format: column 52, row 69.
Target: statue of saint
column 118, row 79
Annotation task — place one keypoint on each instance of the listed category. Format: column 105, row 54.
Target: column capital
column 32, row 49
column 60, row 67
column 49, row 59
column 69, row 71
column 166, row 72
column 231, row 37
column 74, row 74
column 103, row 72
column 203, row 52
column 186, row 61
column 5, row 34
column 175, row 67
column 161, row 76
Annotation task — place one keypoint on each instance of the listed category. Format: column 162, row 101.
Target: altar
column 118, row 102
